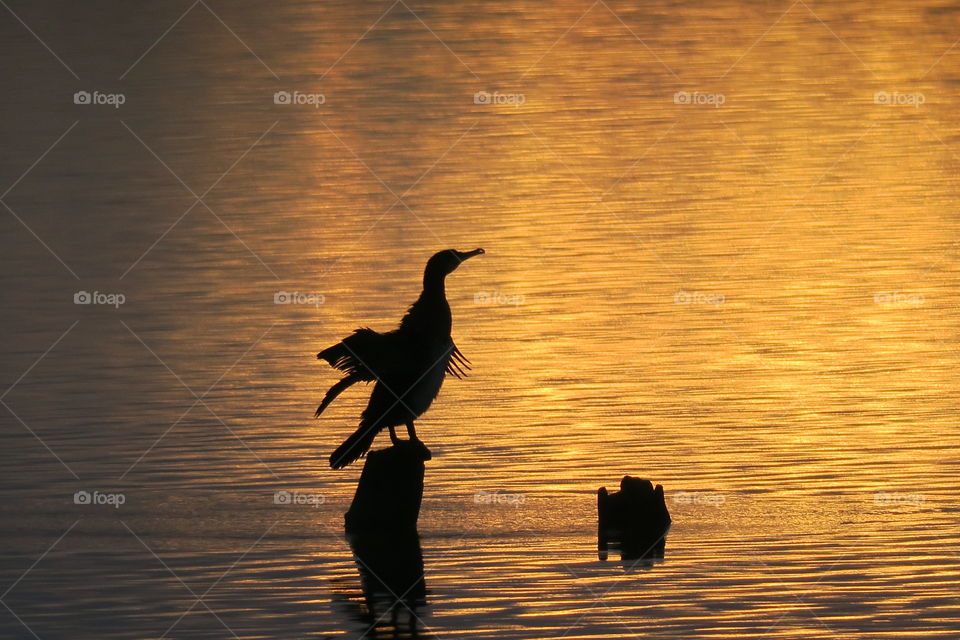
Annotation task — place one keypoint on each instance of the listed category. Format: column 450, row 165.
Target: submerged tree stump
column 635, row 519
column 390, row 489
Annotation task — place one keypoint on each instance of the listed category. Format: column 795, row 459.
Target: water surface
column 745, row 291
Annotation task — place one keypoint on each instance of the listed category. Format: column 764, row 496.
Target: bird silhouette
column 408, row 364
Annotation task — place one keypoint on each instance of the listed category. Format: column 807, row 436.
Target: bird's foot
column 413, row 444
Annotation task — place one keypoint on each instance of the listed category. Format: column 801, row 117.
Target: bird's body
column 407, row 364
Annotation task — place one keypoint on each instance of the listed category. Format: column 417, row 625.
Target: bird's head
column 446, row 262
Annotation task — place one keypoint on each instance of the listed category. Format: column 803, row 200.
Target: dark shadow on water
column 393, row 593
column 643, row 552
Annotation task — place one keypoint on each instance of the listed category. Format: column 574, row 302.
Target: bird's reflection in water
column 393, row 591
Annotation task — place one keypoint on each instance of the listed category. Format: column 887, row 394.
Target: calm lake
column 721, row 253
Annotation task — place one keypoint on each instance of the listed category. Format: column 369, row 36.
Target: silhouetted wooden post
column 390, row 489
column 636, row 517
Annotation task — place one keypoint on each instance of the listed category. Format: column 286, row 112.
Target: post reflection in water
column 634, row 554
column 636, row 551
column 393, row 591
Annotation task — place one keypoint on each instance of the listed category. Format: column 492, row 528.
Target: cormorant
column 408, row 363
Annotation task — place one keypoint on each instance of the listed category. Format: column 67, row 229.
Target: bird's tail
column 333, row 392
column 354, row 447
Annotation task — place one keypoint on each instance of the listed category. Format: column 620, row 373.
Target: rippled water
column 745, row 291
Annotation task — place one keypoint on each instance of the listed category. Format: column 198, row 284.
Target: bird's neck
column 434, row 284
column 431, row 312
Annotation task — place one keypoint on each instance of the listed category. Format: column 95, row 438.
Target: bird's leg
column 393, row 435
column 413, row 438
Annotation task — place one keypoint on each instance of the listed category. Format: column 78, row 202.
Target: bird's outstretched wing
column 458, row 362
column 362, row 354
column 334, row 391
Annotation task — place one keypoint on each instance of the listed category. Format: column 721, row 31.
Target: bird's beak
column 470, row 254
